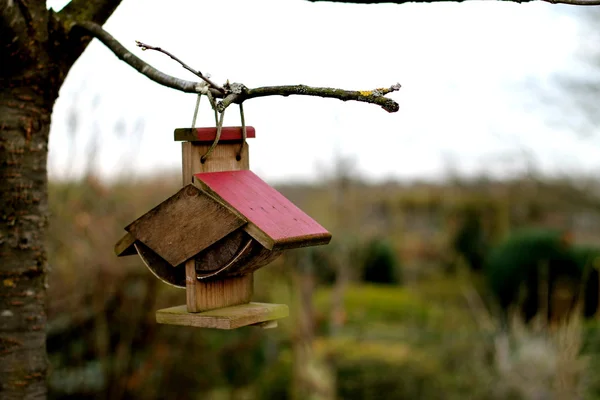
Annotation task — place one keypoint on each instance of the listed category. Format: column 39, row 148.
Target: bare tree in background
column 574, row 98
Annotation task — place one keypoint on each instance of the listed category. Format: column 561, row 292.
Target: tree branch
column 198, row 73
column 368, row 96
column 97, row 11
column 73, row 45
column 13, row 27
column 575, row 2
column 137, row 63
column 570, row 2
column 22, row 30
column 234, row 92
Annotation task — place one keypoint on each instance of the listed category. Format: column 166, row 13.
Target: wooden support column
column 203, row 295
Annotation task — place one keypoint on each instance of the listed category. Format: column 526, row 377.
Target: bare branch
column 570, row 2
column 137, row 63
column 199, row 74
column 234, row 92
column 97, row 11
column 388, row 1
column 575, row 2
column 368, row 96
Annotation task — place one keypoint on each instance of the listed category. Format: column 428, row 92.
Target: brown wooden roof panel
column 184, row 224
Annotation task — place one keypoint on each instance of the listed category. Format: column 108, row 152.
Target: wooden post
column 226, row 156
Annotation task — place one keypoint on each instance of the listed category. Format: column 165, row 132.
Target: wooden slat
column 236, row 254
column 183, row 225
column 224, row 318
column 223, row 158
column 273, row 220
column 228, row 134
column 229, row 291
column 125, row 246
column 217, row 293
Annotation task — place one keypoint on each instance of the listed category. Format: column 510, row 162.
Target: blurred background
column 466, row 227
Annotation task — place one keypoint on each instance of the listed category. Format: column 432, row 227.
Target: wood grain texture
column 219, row 291
column 183, row 225
column 125, row 247
column 190, row 283
column 273, row 220
column 223, row 158
column 214, row 294
column 224, row 318
column 220, row 254
column 228, row 134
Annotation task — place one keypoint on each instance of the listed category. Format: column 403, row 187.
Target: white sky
column 464, row 101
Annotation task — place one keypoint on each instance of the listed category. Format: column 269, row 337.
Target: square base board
column 263, row 314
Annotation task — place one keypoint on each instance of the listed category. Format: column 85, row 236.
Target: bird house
column 210, row 236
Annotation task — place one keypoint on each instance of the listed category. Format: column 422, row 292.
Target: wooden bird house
column 210, row 236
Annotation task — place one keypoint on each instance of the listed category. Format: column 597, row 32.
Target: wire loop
column 239, row 154
column 196, row 111
column 219, row 124
column 217, row 137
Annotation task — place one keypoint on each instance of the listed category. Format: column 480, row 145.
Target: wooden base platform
column 261, row 314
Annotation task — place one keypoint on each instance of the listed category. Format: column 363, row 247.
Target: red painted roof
column 228, row 133
column 268, row 210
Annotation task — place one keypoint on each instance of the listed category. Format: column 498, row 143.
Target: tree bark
column 36, row 52
column 29, row 84
column 25, row 108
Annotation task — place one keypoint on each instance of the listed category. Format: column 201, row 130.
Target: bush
column 469, row 240
column 380, row 263
column 518, row 260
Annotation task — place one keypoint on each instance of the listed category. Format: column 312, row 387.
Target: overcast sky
column 466, row 70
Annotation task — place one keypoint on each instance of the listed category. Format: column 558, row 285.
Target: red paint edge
column 228, row 133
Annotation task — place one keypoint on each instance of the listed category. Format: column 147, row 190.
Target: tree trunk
column 25, row 108
column 37, row 49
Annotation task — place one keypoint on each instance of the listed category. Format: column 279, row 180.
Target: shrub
column 380, row 263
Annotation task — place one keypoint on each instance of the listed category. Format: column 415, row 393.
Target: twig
column 575, row 2
column 569, row 2
column 199, row 74
column 369, row 96
column 234, row 92
column 137, row 63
